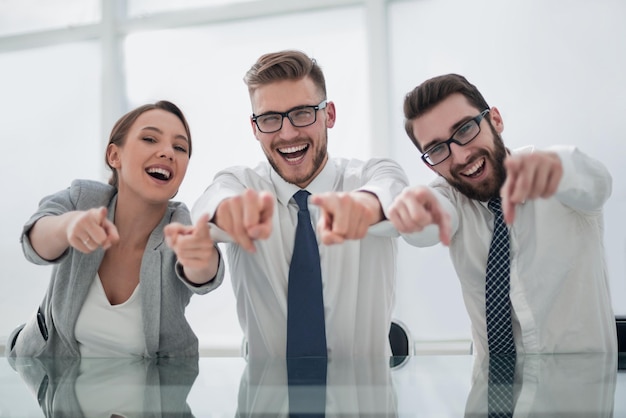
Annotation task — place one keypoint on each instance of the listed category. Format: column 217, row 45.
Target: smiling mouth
column 475, row 169
column 294, row 153
column 159, row 173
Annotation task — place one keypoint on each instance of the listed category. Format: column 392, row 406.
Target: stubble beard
column 319, row 158
column 490, row 188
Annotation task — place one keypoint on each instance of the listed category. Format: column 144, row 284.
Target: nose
column 167, row 152
column 288, row 131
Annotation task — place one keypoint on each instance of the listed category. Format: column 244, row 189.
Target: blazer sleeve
column 81, row 195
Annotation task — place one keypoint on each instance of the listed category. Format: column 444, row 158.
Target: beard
column 320, row 155
column 489, row 188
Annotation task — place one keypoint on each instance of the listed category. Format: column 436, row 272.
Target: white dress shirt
column 560, row 294
column 567, row 385
column 354, row 388
column 358, row 276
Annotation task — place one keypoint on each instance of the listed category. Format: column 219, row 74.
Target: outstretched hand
column 91, row 229
column 194, row 249
column 417, row 207
column 346, row 215
column 529, row 176
column 246, row 217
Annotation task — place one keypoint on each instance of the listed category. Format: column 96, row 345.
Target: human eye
column 466, row 131
column 270, row 118
column 302, row 114
column 180, row 148
column 150, row 139
column 269, row 121
column 437, row 150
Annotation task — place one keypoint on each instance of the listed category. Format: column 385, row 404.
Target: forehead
column 284, row 95
column 159, row 118
column 438, row 123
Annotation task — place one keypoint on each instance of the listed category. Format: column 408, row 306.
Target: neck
column 135, row 220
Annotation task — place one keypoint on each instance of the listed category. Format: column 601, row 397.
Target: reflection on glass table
column 425, row 386
column 108, row 387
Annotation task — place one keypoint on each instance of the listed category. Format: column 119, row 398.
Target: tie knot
column 495, row 205
column 301, row 198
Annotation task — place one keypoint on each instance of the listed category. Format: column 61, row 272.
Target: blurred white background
column 556, row 69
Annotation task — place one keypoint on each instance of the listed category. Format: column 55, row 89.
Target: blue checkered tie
column 500, row 394
column 306, row 329
column 497, row 286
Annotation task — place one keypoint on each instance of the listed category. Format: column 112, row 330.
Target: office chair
column 621, row 341
column 399, row 339
column 401, row 343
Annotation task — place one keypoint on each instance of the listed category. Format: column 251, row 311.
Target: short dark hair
column 284, row 65
column 433, row 91
column 122, row 126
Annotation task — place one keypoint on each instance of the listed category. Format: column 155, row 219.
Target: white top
column 107, row 387
column 358, row 276
column 559, row 286
column 105, row 330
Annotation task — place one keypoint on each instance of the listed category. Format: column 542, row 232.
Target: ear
column 496, row 119
column 113, row 156
column 331, row 114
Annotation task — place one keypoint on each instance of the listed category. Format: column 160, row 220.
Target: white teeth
column 289, row 150
column 165, row 173
column 474, row 168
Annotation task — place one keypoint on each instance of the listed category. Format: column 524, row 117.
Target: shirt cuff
column 203, row 288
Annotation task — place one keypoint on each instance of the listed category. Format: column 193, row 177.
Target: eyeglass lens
column 462, row 136
column 299, row 118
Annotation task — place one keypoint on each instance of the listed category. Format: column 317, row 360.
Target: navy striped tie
column 497, row 287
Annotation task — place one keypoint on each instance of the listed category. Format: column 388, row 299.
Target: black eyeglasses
column 438, row 153
column 299, row 117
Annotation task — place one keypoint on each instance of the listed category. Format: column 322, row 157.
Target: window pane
column 141, row 7
column 51, row 134
column 19, row 16
column 202, row 69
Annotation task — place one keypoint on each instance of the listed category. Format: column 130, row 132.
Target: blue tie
column 306, row 329
column 500, row 395
column 497, row 286
column 307, row 387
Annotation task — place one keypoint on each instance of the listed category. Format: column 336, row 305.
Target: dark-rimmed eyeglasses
column 299, row 117
column 440, row 152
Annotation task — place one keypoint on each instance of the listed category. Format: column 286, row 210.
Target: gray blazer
column 161, row 386
column 165, row 293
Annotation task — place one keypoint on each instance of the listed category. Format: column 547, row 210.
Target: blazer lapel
column 150, row 280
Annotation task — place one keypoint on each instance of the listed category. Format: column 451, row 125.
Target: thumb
column 202, row 229
column 101, row 215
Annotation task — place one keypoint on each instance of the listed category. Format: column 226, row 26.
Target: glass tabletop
column 425, row 386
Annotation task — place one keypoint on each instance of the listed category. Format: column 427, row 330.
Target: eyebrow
column 453, row 129
column 155, row 129
column 276, row 112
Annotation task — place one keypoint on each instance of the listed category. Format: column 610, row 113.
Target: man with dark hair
column 329, row 293
column 527, row 225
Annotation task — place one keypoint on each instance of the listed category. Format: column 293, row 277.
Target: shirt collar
column 322, row 183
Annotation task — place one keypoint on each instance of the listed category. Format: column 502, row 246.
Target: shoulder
column 444, row 188
column 258, row 176
column 373, row 169
column 358, row 164
column 91, row 193
column 178, row 212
